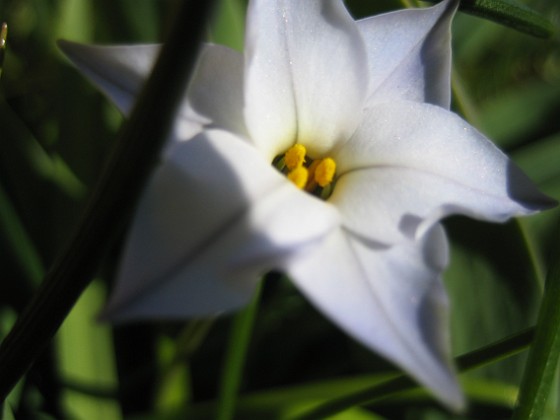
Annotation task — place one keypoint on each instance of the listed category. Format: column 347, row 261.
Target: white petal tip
column 110, row 314
column 456, row 402
column 73, row 50
column 522, row 190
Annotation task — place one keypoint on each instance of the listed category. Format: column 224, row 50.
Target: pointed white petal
column 214, row 217
column 409, row 54
column 389, row 298
column 119, row 71
column 215, row 94
column 410, row 162
column 303, row 60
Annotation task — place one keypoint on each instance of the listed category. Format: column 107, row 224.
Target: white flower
column 371, row 97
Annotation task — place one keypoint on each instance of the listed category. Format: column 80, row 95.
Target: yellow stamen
column 295, row 156
column 324, row 172
column 314, row 176
column 299, row 176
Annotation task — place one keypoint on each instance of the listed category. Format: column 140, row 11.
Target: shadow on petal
column 215, row 217
column 521, row 189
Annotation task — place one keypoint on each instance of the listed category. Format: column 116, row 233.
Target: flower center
column 315, row 176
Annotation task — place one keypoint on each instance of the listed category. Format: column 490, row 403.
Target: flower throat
column 314, row 176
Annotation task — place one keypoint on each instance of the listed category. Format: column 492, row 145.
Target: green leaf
column 174, row 386
column 490, row 297
column 228, row 26
column 236, row 357
column 508, row 13
column 7, row 413
column 74, row 21
column 510, row 117
column 397, row 384
column 85, row 355
column 296, row 401
column 491, row 392
column 545, row 350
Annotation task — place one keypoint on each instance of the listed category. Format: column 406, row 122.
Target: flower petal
column 410, row 162
column 389, row 298
column 303, row 60
column 215, row 94
column 119, row 71
column 214, row 217
column 409, row 54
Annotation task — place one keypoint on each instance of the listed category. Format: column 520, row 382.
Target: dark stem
column 136, row 153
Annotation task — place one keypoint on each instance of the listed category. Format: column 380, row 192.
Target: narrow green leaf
column 173, row 389
column 491, row 297
column 488, row 354
column 85, row 355
column 292, row 401
column 235, row 358
column 508, row 13
column 228, row 27
column 74, row 20
column 7, row 413
column 545, row 350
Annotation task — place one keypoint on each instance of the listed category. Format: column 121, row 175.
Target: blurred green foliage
column 56, row 132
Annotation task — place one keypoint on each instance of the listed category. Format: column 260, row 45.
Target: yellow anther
column 299, row 176
column 324, row 172
column 314, row 176
column 295, row 156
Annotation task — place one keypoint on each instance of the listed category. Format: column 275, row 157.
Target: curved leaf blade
column 508, row 13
